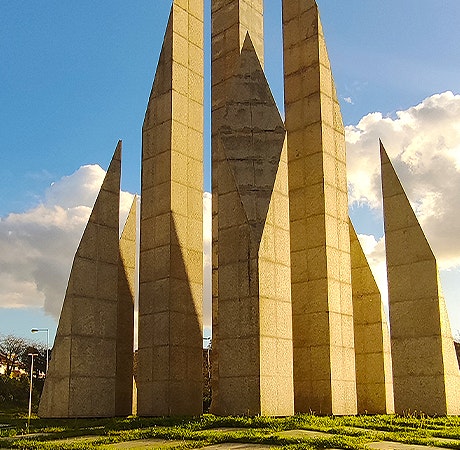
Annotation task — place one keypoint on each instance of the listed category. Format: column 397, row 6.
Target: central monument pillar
column 230, row 21
column 252, row 330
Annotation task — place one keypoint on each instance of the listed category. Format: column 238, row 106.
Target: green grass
column 351, row 432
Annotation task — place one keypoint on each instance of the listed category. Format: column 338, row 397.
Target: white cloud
column 86, row 181
column 423, row 143
column 17, row 293
column 37, row 246
column 348, row 100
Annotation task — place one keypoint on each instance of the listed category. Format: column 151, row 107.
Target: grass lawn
column 352, row 432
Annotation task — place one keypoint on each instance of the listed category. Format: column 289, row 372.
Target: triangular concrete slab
column 82, row 372
column 374, row 377
column 252, row 136
column 125, row 322
column 425, row 368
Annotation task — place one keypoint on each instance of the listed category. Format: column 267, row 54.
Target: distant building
column 2, row 365
column 19, row 369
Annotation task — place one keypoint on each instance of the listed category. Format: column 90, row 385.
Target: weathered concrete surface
column 171, row 250
column 82, row 374
column 231, row 21
column 374, row 376
column 425, row 368
column 125, row 321
column 254, row 312
column 324, row 355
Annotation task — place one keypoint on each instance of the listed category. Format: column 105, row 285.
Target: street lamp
column 36, row 330
column 32, row 355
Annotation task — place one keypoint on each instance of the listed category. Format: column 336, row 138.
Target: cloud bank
column 423, row 143
column 37, row 246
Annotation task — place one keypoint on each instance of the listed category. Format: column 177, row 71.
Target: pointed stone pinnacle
column 374, row 378
column 170, row 263
column 383, row 154
column 253, row 271
column 82, row 373
column 253, row 134
column 425, row 368
column 398, row 212
column 319, row 213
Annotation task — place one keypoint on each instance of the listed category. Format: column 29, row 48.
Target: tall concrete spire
column 324, row 356
column 425, row 368
column 374, row 376
column 171, row 249
column 82, row 376
column 231, row 20
column 254, row 374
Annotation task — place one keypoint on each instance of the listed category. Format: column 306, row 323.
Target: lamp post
column 32, row 355
column 36, row 330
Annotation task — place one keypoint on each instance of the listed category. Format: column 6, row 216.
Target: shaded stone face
column 231, row 21
column 126, row 295
column 171, row 250
column 82, row 377
column 324, row 356
column 374, row 377
column 426, row 374
column 254, row 309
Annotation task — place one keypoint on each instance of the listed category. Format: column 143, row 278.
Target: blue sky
column 75, row 77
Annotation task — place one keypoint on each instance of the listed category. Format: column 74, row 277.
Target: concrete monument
column 425, row 368
column 126, row 295
column 82, row 380
column 171, row 261
column 298, row 323
column 254, row 309
column 323, row 335
column 374, row 377
column 231, row 21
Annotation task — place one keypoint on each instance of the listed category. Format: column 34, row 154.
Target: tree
column 12, row 349
column 15, row 351
column 14, row 391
